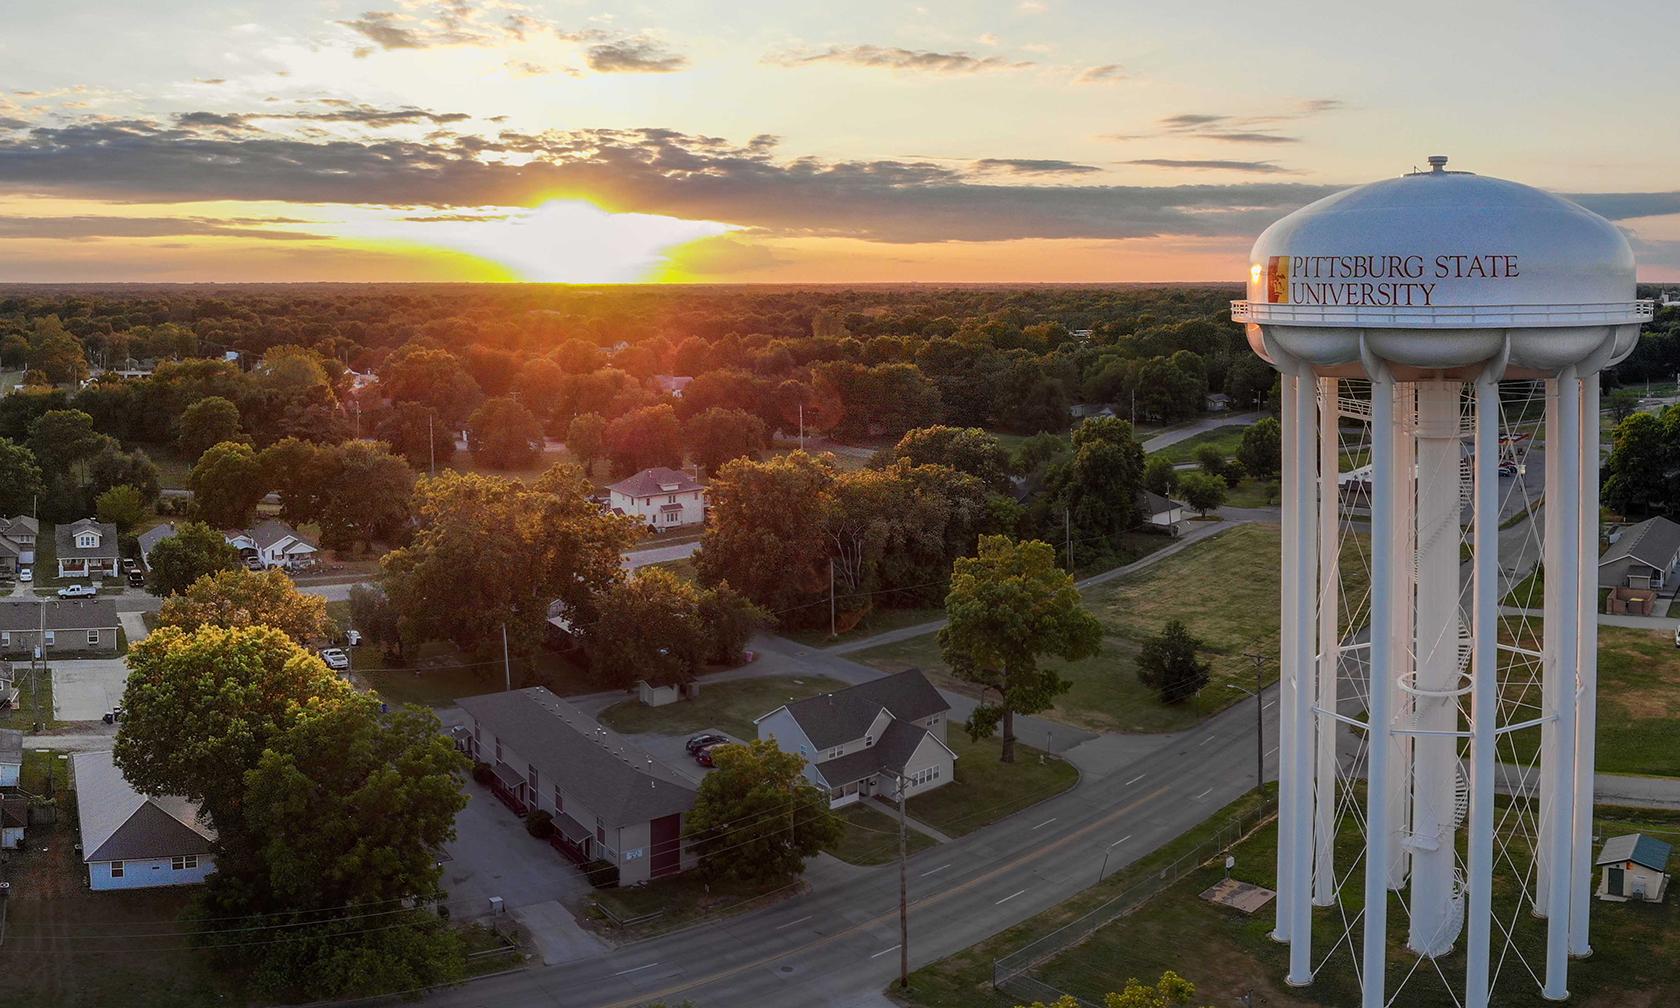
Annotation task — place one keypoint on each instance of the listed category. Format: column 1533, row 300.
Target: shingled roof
column 889, row 754
column 121, row 824
column 24, row 614
column 656, row 481
column 1653, row 542
column 1638, row 848
column 614, row 778
column 829, row 719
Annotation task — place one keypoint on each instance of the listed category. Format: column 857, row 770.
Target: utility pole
column 831, row 596
column 1259, row 722
column 903, row 896
column 431, row 446
column 507, row 666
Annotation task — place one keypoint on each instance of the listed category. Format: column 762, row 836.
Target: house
column 1633, row 867
column 672, row 385
column 136, row 841
column 87, row 548
column 17, row 541
column 14, row 816
column 149, row 539
column 1216, row 402
column 1159, row 513
column 274, row 543
column 664, row 498
column 1643, row 556
column 73, row 626
column 864, row 739
column 610, row 800
column 1081, row 411
column 11, row 757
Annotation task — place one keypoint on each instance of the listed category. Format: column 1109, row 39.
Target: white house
column 863, row 740
column 87, row 548
column 664, row 498
column 11, row 757
column 17, row 542
column 136, row 841
column 275, row 544
column 1216, row 402
column 1645, row 555
column 672, row 385
column 1633, row 867
column 1160, row 513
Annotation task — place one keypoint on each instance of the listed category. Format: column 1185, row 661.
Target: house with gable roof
column 17, row 542
column 87, row 548
column 665, row 498
column 136, row 841
column 864, row 739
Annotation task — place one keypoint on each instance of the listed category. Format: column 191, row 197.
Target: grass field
column 1254, row 493
column 35, row 700
column 463, row 461
column 876, row 621
column 1638, row 702
column 987, row 790
column 440, row 674
column 1225, row 589
column 727, row 706
column 1227, row 439
column 871, row 835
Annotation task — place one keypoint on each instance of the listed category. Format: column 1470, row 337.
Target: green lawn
column 440, row 674
column 1225, row 589
column 679, row 900
column 727, row 706
column 45, row 772
column 35, row 700
column 683, row 568
column 871, row 835
column 876, row 621
column 1638, row 702
column 986, row 789
column 463, row 461
column 1227, row 439
column 1254, row 493
column 1529, row 593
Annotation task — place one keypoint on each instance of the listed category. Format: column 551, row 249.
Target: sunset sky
column 754, row 141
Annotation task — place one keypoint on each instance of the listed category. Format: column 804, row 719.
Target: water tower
column 1440, row 337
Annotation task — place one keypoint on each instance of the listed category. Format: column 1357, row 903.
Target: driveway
column 86, row 690
column 492, row 855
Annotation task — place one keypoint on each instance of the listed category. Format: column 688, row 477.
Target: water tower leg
column 1404, row 594
column 1288, row 637
column 1586, row 723
column 1484, row 697
column 1301, row 764
column 1561, row 828
column 1551, row 592
column 1375, row 937
column 1329, row 640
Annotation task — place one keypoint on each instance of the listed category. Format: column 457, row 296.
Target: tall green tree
column 122, row 506
column 242, row 598
column 366, row 494
column 417, row 434
column 55, row 353
column 434, row 378
column 719, row 435
column 505, row 435
column 210, row 421
column 194, row 551
column 20, row 479
column 1010, row 606
column 756, row 816
column 1098, row 486
column 1203, row 491
column 649, row 628
column 766, row 533
column 965, row 449
column 1168, row 663
column 647, row 437
column 1636, row 471
column 1261, row 452
column 226, row 483
column 1159, row 476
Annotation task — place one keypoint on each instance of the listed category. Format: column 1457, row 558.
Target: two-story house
column 865, row 739
column 610, row 800
column 17, row 542
column 87, row 548
column 664, row 498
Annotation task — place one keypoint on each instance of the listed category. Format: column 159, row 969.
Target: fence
column 1012, row 974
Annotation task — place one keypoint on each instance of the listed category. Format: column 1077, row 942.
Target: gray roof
column 653, row 482
column 1653, row 542
column 889, row 754
column 1151, row 503
column 20, row 524
column 61, row 614
column 14, row 812
column 65, row 537
column 266, row 534
column 120, row 824
column 614, row 778
column 832, row 718
column 1638, row 848
column 11, row 746
column 154, row 535
column 8, row 547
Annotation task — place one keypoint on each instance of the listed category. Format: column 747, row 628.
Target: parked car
column 137, row 578
column 703, row 740
column 26, row 575
column 704, row 756
column 336, row 660
column 352, row 638
column 252, row 563
column 77, row 591
column 1507, row 468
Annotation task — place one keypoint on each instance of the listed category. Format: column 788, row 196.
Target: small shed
column 1633, row 867
column 659, row 696
column 14, row 816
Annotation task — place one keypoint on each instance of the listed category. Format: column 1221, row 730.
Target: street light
column 1259, row 719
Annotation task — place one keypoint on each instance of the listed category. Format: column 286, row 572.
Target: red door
column 665, row 839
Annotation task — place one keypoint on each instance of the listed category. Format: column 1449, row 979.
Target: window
column 672, row 499
column 835, row 752
column 183, row 862
column 52, row 638
column 93, row 636
column 868, row 740
column 477, row 734
column 531, row 775
column 116, row 869
column 498, row 748
column 671, row 517
column 559, row 802
column 600, row 832
column 6, row 639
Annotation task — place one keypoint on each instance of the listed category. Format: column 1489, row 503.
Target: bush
column 483, row 774
column 539, row 823
column 601, row 874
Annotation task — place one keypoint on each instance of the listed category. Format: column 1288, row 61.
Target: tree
column 1202, row 491
column 372, row 613
column 226, row 483
column 719, row 435
column 242, row 598
column 366, row 494
column 965, row 449
column 20, row 479
column 765, row 536
column 1621, row 403
column 1261, row 452
column 1211, row 460
column 432, row 377
column 649, row 628
column 296, row 469
column 1167, row 663
column 756, row 816
column 1009, row 606
column 1171, row 991
column 650, row 436
column 1099, row 485
column 505, row 435
column 586, row 439
column 122, row 506
column 416, row 433
column 55, row 353
column 1636, row 472
column 210, row 421
column 728, row 620
column 1159, row 476
column 194, row 551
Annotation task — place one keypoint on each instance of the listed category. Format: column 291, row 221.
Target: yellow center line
column 1031, row 855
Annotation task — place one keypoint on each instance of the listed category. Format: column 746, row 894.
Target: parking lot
column 87, row 689
column 669, row 750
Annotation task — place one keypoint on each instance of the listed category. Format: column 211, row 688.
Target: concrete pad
column 133, row 626
column 555, row 934
column 86, row 690
column 1239, row 895
column 492, row 855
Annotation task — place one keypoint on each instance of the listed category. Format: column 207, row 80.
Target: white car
column 77, row 591
column 26, row 575
column 336, row 660
column 352, row 638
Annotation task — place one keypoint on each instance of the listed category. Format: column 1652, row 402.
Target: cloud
column 209, row 80
column 1034, row 166
column 335, row 110
column 1229, row 128
column 91, row 227
column 634, row 55
column 897, row 58
column 1104, row 74
column 1629, row 206
column 1256, row 167
column 8, row 123
column 1032, row 7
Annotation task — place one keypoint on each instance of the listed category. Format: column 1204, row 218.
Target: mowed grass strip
column 1225, row 589
column 1227, row 439
column 987, row 789
column 870, row 834
column 726, row 706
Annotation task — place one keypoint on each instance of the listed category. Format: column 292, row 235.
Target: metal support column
column 1301, row 763
column 1378, row 839
column 1561, row 828
column 1329, row 640
column 1288, row 640
column 1551, row 591
column 1586, row 723
column 1402, row 607
column 1484, row 695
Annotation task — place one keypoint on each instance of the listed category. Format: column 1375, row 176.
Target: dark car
column 704, row 756
column 137, row 578
column 703, row 740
